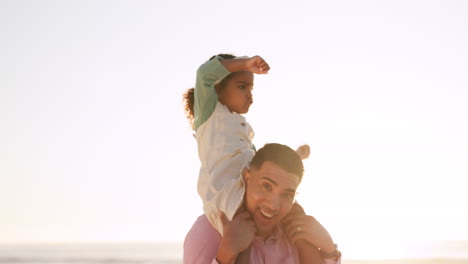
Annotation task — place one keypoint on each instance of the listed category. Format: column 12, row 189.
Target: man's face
column 270, row 193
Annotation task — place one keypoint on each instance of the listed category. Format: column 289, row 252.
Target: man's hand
column 238, row 234
column 301, row 226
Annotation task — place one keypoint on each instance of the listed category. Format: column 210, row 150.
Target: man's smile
column 266, row 214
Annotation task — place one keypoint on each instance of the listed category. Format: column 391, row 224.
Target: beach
column 171, row 253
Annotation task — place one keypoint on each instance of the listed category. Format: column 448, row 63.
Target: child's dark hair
column 189, row 95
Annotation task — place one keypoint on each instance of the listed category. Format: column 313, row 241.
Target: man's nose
column 274, row 203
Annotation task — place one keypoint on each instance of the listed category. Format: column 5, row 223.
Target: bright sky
column 94, row 145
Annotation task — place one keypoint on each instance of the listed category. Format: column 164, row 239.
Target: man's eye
column 242, row 87
column 288, row 196
column 266, row 186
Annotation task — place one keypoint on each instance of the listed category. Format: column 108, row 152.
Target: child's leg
column 308, row 253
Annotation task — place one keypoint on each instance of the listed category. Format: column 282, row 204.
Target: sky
column 94, row 144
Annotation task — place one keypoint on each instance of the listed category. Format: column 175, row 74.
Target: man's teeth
column 266, row 214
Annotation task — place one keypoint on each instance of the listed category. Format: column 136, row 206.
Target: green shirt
column 205, row 95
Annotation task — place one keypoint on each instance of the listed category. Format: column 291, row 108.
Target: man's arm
column 312, row 240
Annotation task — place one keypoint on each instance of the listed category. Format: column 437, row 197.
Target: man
column 269, row 228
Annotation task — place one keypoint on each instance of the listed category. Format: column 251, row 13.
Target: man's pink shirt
column 202, row 241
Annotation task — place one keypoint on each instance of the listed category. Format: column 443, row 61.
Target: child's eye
column 242, row 87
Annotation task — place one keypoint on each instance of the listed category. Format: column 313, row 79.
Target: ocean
column 452, row 252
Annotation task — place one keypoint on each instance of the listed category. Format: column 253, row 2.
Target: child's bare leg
column 244, row 256
column 303, row 151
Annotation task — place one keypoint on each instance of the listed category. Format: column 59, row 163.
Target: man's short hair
column 281, row 155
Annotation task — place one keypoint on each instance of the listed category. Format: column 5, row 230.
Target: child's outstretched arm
column 254, row 64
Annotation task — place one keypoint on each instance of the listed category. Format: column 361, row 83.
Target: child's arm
column 255, row 65
column 205, row 95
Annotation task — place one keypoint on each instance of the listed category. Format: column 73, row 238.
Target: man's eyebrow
column 276, row 184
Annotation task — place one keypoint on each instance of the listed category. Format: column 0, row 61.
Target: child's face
column 236, row 94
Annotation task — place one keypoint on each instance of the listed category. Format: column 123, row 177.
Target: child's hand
column 257, row 65
column 303, row 151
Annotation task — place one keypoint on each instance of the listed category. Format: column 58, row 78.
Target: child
column 223, row 91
